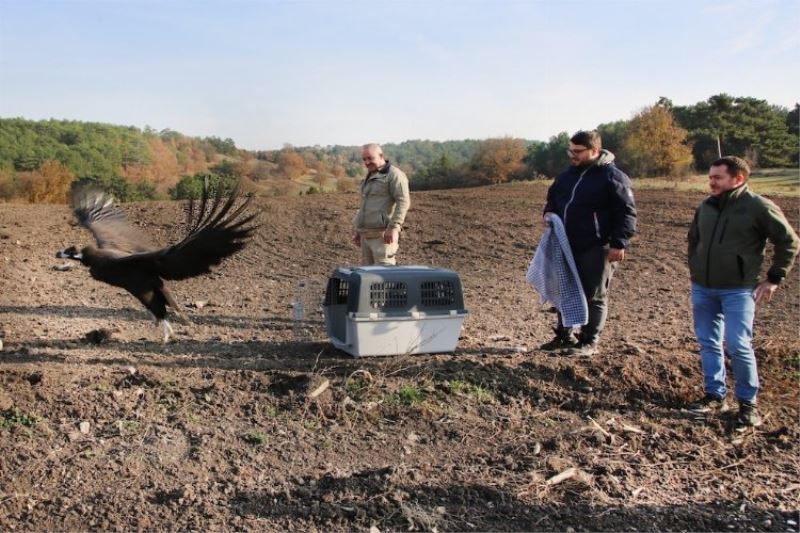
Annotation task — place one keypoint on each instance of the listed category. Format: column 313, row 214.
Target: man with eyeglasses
column 594, row 200
column 384, row 203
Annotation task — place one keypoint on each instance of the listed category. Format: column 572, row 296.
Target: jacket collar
column 727, row 197
column 603, row 159
column 383, row 170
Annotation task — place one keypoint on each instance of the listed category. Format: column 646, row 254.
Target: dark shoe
column 748, row 416
column 562, row 341
column 583, row 349
column 708, row 404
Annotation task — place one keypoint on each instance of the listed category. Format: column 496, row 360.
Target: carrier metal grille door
column 337, row 292
column 437, row 293
column 388, row 294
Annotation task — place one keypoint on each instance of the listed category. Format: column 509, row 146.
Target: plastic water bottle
column 299, row 312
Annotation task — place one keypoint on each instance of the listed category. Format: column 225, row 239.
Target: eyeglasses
column 576, row 152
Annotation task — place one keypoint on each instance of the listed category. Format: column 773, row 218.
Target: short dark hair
column 735, row 165
column 589, row 139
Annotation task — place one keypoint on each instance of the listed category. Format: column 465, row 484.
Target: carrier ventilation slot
column 337, row 292
column 437, row 293
column 388, row 294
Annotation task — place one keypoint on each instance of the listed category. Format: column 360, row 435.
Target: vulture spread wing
column 95, row 211
column 216, row 229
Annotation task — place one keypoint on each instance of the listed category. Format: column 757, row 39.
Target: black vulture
column 123, row 257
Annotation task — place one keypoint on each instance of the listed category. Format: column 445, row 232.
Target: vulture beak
column 69, row 253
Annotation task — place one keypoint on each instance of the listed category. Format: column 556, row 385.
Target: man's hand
column 391, row 235
column 356, row 239
column 616, row 254
column 765, row 289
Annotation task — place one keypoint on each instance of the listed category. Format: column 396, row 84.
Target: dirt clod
column 98, row 336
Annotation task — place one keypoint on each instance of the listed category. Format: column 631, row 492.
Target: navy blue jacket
column 595, row 203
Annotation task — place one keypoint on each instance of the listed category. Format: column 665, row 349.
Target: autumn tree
column 346, row 184
column 164, row 165
column 50, row 184
column 338, row 170
column 8, row 185
column 259, row 170
column 498, row 160
column 291, row 164
column 654, row 145
column 322, row 179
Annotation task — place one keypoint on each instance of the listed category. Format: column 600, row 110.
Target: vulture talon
column 167, row 330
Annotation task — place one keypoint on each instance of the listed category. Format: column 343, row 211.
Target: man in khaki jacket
column 384, row 202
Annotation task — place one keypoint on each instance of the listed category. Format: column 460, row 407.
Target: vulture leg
column 156, row 302
column 167, row 330
column 175, row 309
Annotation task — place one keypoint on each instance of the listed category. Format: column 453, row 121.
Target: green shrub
column 14, row 417
column 256, row 438
column 120, row 188
column 190, row 187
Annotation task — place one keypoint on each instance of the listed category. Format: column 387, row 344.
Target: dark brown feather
column 216, row 233
column 95, row 210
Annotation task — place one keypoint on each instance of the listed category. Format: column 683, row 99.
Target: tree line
column 661, row 140
column 40, row 161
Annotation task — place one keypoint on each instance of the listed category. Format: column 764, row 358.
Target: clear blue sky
column 265, row 73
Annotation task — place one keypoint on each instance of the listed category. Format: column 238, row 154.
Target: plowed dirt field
column 217, row 430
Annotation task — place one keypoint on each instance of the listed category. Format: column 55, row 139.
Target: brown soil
column 104, row 428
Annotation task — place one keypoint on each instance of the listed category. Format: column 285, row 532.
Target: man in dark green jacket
column 726, row 250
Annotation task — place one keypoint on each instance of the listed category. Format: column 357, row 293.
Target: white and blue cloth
column 553, row 274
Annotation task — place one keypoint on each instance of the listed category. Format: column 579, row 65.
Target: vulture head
column 70, row 253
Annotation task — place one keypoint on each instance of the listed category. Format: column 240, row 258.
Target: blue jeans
column 728, row 314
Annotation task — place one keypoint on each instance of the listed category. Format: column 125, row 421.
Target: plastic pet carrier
column 378, row 310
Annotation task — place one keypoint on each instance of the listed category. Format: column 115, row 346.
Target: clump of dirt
column 99, row 336
column 246, row 421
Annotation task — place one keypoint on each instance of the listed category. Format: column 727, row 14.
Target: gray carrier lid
column 395, row 290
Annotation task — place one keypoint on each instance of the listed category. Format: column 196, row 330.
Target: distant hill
column 41, row 160
column 121, row 157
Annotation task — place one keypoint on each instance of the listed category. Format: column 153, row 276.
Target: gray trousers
column 595, row 272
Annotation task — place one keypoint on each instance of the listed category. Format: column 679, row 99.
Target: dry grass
column 773, row 181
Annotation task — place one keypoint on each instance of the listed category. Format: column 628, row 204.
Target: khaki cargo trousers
column 376, row 252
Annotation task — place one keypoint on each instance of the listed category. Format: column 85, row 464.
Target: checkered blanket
column 555, row 277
